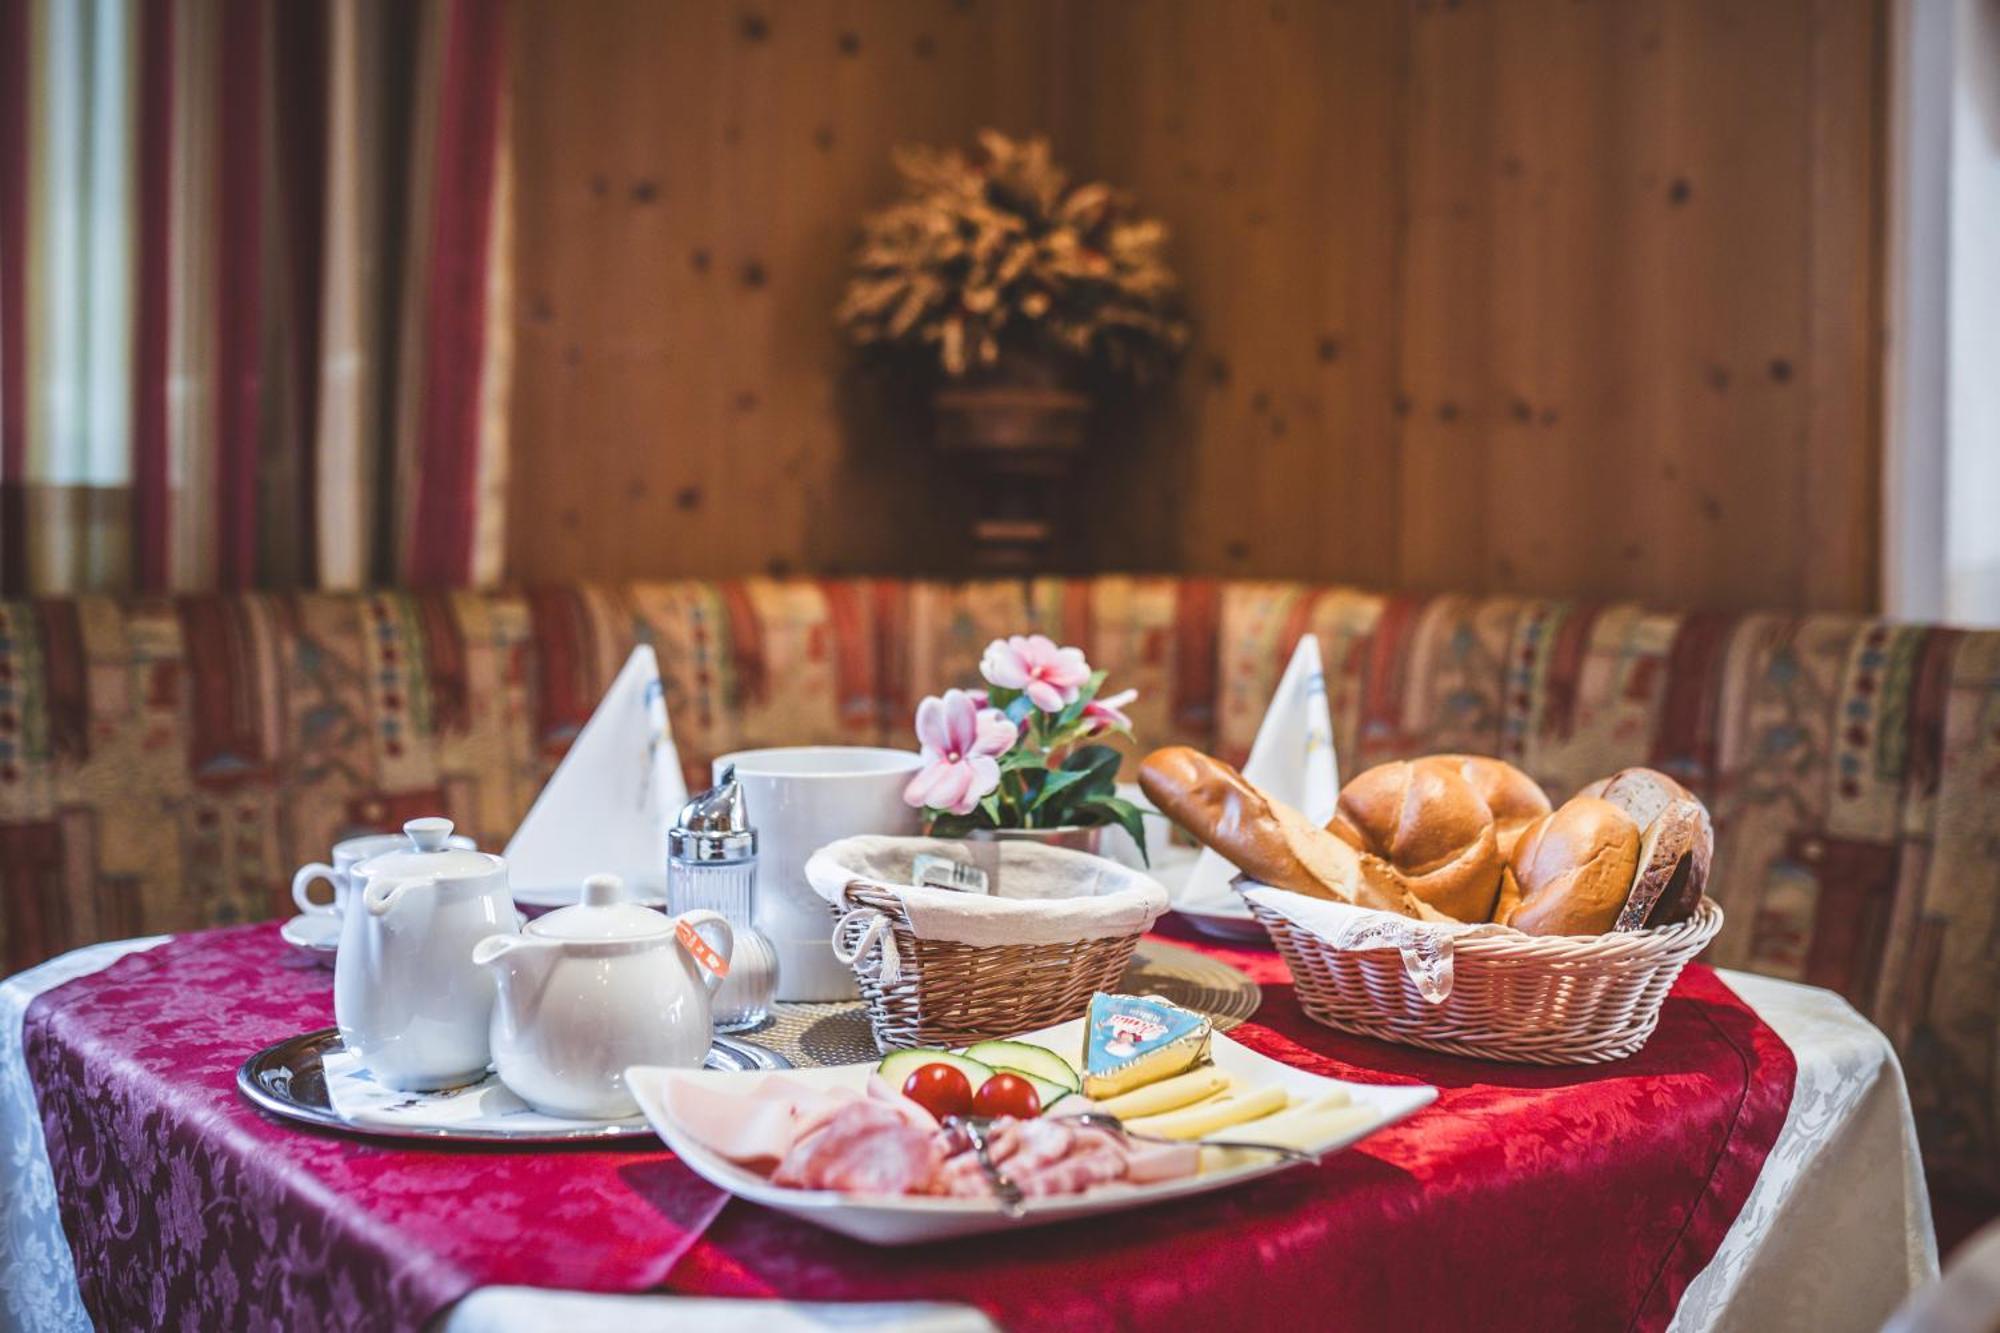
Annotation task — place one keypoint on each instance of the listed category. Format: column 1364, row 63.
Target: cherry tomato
column 1007, row 1094
column 940, row 1089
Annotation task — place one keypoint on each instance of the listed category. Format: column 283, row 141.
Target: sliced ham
column 811, row 1137
column 866, row 1148
column 753, row 1129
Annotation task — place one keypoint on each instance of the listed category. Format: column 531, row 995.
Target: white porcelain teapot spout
column 521, row 965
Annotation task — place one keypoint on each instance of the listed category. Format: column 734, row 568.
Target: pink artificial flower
column 961, row 743
column 1109, row 714
column 1048, row 675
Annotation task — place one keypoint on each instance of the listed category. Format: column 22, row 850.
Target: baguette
column 1264, row 838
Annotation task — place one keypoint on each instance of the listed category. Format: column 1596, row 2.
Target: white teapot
column 405, row 993
column 589, row 990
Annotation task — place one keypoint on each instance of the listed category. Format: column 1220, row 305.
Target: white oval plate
column 911, row 1220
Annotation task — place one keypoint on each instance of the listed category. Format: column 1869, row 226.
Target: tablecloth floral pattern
column 165, row 763
column 185, row 1207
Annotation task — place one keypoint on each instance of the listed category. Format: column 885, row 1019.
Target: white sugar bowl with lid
column 589, row 990
column 406, row 994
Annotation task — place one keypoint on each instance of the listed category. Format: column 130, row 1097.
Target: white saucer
column 315, row 935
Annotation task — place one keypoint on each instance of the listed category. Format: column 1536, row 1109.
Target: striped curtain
column 254, row 293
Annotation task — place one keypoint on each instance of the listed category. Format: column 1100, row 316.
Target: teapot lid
column 605, row 912
column 430, row 853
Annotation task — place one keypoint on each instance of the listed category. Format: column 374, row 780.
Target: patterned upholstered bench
column 165, row 763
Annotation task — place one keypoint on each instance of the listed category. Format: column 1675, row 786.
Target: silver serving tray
column 286, row 1080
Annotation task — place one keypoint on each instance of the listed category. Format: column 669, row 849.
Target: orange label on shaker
column 692, row 941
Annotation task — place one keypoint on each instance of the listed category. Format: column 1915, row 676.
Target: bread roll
column 1677, row 845
column 1266, row 839
column 1431, row 825
column 1575, row 868
column 1515, row 799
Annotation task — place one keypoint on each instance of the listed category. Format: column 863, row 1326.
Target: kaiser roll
column 1432, row 827
column 1515, row 799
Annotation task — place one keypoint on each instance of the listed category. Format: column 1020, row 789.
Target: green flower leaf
column 1117, row 810
column 1099, row 760
column 1055, row 784
column 999, row 696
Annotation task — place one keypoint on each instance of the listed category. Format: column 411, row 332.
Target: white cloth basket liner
column 1049, row 895
column 1426, row 946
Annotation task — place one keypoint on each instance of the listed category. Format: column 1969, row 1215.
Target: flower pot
column 1074, row 837
column 1020, row 426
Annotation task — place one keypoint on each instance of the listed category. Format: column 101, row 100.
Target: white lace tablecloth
column 1835, row 1233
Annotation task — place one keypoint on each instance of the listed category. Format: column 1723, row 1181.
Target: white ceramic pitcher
column 406, row 993
column 589, row 990
column 802, row 798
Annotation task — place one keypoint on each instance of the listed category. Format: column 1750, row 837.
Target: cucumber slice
column 897, row 1066
column 1050, row 1093
column 1038, row 1061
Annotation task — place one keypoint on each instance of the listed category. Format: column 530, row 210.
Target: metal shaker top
column 714, row 825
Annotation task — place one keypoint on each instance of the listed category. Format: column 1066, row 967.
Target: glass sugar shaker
column 712, row 863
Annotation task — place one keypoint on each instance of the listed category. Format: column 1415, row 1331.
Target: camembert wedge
column 1133, row 1040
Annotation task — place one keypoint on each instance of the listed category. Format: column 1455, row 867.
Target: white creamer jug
column 406, row 993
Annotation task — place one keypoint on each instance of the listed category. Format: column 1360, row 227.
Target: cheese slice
column 1133, row 1040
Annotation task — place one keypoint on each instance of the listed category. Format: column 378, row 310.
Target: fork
column 1005, row 1190
column 1106, row 1121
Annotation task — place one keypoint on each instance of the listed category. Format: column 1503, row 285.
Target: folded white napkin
column 1426, row 946
column 608, row 806
column 1291, row 760
column 483, row 1107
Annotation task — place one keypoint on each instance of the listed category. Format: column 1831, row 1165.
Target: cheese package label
column 1133, row 1040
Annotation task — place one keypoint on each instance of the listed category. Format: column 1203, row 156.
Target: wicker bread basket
column 1549, row 1000
column 927, row 990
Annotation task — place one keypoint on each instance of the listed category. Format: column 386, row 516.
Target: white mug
column 799, row 799
column 347, row 854
column 406, row 994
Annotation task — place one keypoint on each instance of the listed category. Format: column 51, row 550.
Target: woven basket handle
column 872, row 931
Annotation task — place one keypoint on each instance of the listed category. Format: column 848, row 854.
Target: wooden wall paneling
column 1549, row 426
column 1264, row 136
column 1139, row 473
column 1570, row 299
column 691, row 175
column 1732, row 302
column 1847, row 133
column 1447, row 333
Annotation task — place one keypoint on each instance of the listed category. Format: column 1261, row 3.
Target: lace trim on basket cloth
column 1426, row 946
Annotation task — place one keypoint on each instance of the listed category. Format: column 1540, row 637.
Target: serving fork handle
column 1107, row 1121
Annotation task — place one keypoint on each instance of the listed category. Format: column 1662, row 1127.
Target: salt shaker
column 712, row 863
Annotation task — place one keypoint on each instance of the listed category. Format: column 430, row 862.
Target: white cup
column 347, row 854
column 799, row 799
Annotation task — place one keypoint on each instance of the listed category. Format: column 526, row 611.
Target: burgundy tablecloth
column 1522, row 1199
